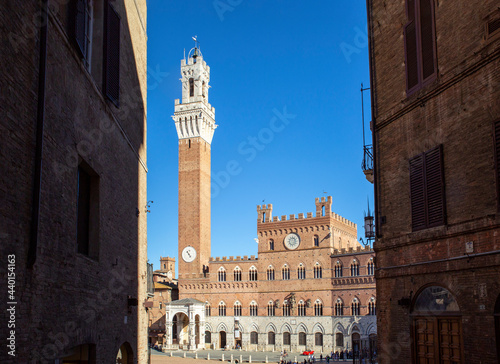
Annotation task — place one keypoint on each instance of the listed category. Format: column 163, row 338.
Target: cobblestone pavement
column 216, row 355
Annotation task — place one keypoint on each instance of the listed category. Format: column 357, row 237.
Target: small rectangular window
column 112, row 55
column 87, row 233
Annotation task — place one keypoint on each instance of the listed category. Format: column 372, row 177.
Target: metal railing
column 367, row 163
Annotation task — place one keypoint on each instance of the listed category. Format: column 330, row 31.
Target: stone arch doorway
column 125, row 354
column 182, row 327
column 222, row 339
column 356, row 346
column 496, row 315
column 436, row 327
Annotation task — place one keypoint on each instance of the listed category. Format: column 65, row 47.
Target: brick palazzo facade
column 435, row 76
column 311, row 286
column 73, row 95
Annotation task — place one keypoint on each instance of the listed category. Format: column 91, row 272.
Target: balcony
column 367, row 164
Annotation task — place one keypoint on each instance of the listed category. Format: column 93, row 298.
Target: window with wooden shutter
column 81, row 28
column 427, row 189
column 420, row 47
column 112, row 55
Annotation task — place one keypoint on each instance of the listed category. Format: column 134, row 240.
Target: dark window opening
column 191, row 87
column 87, row 234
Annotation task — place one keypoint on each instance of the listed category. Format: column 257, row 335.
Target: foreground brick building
column 311, row 286
column 435, row 76
column 73, row 180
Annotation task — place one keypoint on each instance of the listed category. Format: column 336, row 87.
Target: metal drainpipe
column 372, row 98
column 37, row 182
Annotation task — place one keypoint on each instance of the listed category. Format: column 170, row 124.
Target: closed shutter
column 428, row 207
column 434, row 187
column 417, row 192
column 112, row 55
column 427, row 38
column 80, row 26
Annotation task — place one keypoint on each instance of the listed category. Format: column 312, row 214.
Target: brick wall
column 68, row 299
column 457, row 110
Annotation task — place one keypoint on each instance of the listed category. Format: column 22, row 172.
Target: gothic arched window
column 318, row 308
column 338, row 269
column 270, row 273
column 270, row 308
column 237, row 308
column 301, row 308
column 339, row 308
column 253, row 309
column 355, row 307
column 318, row 272
column 301, row 271
column 221, row 274
column 286, row 308
column 237, row 274
column 354, row 268
column 252, row 274
column 371, row 307
column 222, row 309
column 371, row 267
column 285, row 272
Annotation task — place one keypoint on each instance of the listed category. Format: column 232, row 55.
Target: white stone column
column 192, row 336
column 168, row 334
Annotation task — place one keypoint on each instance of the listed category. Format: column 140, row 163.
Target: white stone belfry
column 195, row 117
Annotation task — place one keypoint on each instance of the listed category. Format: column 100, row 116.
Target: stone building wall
column 67, row 299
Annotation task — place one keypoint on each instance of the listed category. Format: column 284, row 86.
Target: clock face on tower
column 189, row 254
column 292, row 241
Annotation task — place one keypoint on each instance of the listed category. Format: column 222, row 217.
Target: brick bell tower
column 195, row 123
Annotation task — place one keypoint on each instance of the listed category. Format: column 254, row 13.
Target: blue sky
column 302, row 59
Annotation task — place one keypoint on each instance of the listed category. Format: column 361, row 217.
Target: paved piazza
column 216, row 355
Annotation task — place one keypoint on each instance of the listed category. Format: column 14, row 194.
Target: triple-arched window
column 355, row 307
column 354, row 268
column 252, row 273
column 371, row 267
column 222, row 308
column 270, row 273
column 221, row 274
column 270, row 308
column 338, row 269
column 285, row 272
column 253, row 309
column 301, row 271
column 339, row 307
column 237, row 274
column 318, row 308
column 318, row 272
column 237, row 308
column 286, row 308
column 302, row 308
column 371, row 307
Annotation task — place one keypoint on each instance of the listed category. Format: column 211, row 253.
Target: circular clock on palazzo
column 189, row 254
column 292, row 241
